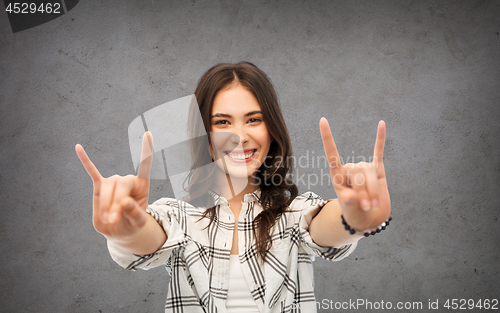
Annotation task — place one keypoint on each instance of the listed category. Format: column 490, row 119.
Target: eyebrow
column 229, row 116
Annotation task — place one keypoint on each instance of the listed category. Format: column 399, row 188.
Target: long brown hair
column 277, row 189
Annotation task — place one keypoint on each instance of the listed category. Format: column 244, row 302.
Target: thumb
column 348, row 200
column 133, row 212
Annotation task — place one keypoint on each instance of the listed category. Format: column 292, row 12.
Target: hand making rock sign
column 363, row 197
column 120, row 202
column 361, row 187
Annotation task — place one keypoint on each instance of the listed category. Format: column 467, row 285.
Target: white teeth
column 239, row 156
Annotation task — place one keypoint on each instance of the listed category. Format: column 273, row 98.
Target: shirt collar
column 249, row 197
column 252, row 197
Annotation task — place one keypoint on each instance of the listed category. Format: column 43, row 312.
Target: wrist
column 145, row 240
column 365, row 232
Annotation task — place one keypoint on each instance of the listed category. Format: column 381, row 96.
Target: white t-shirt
column 239, row 298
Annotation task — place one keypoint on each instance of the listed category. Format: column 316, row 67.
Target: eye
column 254, row 120
column 222, row 122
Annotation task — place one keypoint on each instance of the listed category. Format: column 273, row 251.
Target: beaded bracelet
column 352, row 231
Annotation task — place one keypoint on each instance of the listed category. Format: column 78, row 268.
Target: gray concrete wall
column 430, row 69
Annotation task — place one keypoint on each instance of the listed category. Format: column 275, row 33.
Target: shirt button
column 255, row 286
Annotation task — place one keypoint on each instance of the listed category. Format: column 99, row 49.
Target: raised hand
column 120, row 202
column 361, row 187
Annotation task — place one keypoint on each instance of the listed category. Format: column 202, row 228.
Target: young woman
column 244, row 241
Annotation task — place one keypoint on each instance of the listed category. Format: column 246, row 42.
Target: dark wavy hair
column 277, row 189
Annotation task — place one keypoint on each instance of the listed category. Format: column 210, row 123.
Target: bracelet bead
column 352, row 231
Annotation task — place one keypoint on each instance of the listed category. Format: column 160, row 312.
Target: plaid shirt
column 197, row 259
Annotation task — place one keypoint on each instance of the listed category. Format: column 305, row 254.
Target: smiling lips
column 241, row 156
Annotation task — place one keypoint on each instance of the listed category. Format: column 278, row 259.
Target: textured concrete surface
column 430, row 69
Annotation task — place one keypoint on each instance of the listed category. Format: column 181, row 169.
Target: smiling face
column 237, row 112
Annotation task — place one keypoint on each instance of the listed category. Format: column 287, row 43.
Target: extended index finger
column 331, row 151
column 146, row 156
column 89, row 166
column 378, row 152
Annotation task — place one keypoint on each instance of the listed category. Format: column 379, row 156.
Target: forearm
column 326, row 227
column 148, row 239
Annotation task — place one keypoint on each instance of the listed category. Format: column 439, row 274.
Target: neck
column 235, row 188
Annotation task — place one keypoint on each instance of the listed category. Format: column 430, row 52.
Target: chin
column 239, row 173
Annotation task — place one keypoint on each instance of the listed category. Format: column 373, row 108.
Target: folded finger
column 108, row 188
column 372, row 186
column 357, row 180
column 122, row 190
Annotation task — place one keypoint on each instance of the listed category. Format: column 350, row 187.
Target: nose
column 241, row 135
